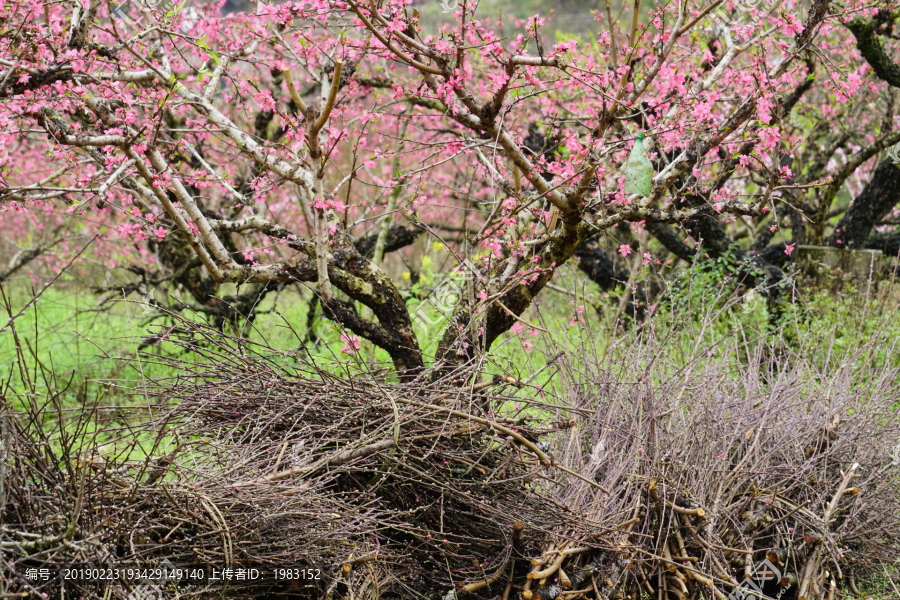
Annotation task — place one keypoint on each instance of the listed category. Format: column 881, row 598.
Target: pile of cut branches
column 677, row 481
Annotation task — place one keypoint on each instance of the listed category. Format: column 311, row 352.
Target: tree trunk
column 824, row 266
column 880, row 195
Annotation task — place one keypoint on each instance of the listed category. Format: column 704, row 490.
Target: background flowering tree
column 302, row 142
column 342, row 146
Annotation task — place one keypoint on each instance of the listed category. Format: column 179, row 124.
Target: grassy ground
column 71, row 335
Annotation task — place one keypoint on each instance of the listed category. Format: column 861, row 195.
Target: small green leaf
column 176, row 10
column 638, row 170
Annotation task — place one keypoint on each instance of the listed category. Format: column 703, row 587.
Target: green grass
column 64, row 332
column 68, row 333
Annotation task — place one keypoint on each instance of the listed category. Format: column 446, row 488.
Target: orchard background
column 413, row 218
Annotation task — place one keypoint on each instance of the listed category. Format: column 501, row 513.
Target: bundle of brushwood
column 613, row 483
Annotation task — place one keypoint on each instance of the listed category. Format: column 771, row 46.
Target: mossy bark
column 876, row 200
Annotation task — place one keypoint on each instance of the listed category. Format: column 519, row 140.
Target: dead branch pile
column 640, row 475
